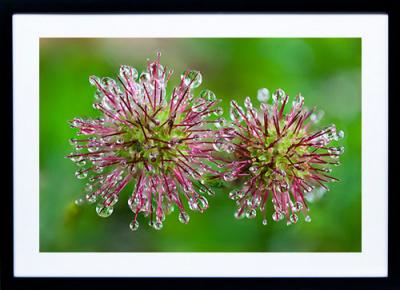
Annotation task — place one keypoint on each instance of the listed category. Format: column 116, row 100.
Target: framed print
column 221, row 149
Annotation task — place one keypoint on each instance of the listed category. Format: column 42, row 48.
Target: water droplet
column 298, row 101
column 81, row 163
column 239, row 214
column 79, row 201
column 263, row 95
column 254, row 169
column 156, row 70
column 144, row 77
column 229, row 148
column 193, row 78
column 218, row 144
column 218, row 111
column 193, row 204
column 134, row 225
column 93, row 80
column 236, row 112
column 293, row 218
column 208, row 95
column 251, row 213
column 104, row 211
column 108, row 83
column 183, row 217
column 340, row 134
column 133, row 169
column 75, row 158
column 81, row 174
column 307, row 218
column 153, row 156
column 158, row 225
column 298, row 206
column 112, row 200
column 247, row 103
column 277, row 216
column 199, row 105
column 220, row 122
column 278, row 95
column 234, row 194
column 265, row 222
column 127, row 71
column 202, row 203
column 91, row 198
column 228, row 176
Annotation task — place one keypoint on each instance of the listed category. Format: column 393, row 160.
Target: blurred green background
column 326, row 71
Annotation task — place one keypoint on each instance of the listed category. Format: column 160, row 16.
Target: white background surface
column 372, row 261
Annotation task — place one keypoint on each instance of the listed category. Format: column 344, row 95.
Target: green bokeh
column 326, row 71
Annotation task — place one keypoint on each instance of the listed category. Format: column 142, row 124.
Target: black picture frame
column 9, row 8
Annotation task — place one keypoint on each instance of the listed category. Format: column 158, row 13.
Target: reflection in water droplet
column 193, row 78
column 183, row 217
column 81, row 174
column 278, row 95
column 208, row 95
column 134, row 225
column 104, row 211
column 250, row 214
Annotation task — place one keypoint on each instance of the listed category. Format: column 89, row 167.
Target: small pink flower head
column 281, row 156
column 161, row 145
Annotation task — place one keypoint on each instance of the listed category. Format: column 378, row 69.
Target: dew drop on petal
column 298, row 101
column 193, row 78
column 81, row 174
column 247, row 103
column 79, row 201
column 293, row 218
column 158, row 225
column 278, row 95
column 228, row 176
column 239, row 214
column 134, row 225
column 144, row 77
column 234, row 194
column 104, row 211
column 218, row 144
column 276, row 216
column 183, row 217
column 234, row 112
column 202, row 203
column 128, row 71
column 220, row 122
column 193, row 204
column 208, row 95
column 218, row 111
column 112, row 200
column 91, row 198
column 93, row 80
column 263, row 95
column 254, row 169
column 251, row 213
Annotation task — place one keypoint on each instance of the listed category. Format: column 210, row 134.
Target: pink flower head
column 280, row 155
column 161, row 145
